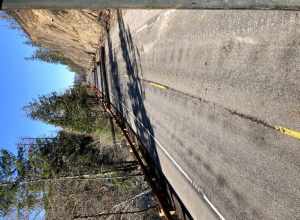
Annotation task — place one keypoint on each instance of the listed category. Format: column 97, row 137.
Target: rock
column 75, row 33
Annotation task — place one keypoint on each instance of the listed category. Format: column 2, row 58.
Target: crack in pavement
column 283, row 130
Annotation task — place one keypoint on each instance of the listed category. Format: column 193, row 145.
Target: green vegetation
column 83, row 170
column 54, row 57
column 76, row 109
column 65, row 157
column 71, row 173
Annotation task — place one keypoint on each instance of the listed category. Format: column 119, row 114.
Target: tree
column 7, row 193
column 40, row 164
column 69, row 154
column 54, row 57
column 47, row 55
column 76, row 109
column 7, row 199
column 14, row 195
column 7, row 165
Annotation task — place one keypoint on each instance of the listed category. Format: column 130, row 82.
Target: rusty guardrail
column 147, row 169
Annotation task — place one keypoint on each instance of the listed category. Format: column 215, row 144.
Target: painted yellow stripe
column 158, row 85
column 289, row 132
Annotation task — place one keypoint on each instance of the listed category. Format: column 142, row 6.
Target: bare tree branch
column 115, row 213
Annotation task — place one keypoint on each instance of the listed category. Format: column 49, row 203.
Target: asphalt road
column 204, row 91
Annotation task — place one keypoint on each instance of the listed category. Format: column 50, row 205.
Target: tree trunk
column 116, row 213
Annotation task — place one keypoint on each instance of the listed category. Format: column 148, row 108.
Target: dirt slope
column 74, row 33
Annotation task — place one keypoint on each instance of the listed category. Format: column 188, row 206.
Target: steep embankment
column 74, row 33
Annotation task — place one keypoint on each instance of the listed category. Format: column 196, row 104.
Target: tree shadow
column 131, row 96
column 115, row 83
column 135, row 92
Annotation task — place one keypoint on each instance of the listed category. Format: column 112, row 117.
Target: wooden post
column 149, row 4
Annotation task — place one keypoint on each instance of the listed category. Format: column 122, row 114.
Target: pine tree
column 77, row 109
column 27, row 177
column 54, row 57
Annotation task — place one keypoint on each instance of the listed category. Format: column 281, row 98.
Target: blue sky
column 20, row 82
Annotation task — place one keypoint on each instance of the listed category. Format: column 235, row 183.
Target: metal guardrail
column 170, row 204
column 150, row 4
column 132, row 142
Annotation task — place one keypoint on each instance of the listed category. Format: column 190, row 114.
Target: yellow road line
column 158, row 85
column 289, row 132
column 283, row 130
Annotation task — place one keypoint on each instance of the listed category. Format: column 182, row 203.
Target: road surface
column 205, row 91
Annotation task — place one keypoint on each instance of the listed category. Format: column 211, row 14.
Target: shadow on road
column 130, row 96
column 135, row 90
